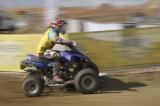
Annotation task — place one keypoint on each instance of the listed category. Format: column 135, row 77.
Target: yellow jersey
column 47, row 40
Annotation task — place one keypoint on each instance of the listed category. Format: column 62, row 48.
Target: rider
column 51, row 38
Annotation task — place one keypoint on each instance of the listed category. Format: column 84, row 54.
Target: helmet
column 58, row 24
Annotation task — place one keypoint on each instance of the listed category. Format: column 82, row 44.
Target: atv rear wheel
column 32, row 86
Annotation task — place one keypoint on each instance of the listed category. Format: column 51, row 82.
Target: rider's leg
column 57, row 74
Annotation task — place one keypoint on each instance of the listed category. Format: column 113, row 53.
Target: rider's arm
column 56, row 40
column 60, row 40
column 63, row 42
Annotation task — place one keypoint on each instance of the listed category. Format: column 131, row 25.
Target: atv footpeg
column 69, row 82
column 62, row 84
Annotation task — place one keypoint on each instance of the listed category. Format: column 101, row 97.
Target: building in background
column 102, row 11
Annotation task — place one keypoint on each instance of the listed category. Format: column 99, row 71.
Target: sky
column 66, row 3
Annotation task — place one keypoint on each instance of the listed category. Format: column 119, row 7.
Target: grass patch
column 108, row 54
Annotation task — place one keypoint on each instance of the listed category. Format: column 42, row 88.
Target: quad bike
column 76, row 69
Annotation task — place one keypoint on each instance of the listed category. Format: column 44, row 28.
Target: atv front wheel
column 87, row 81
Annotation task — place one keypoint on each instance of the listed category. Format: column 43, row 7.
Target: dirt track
column 132, row 90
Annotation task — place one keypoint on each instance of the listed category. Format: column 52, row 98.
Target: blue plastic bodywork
column 66, row 56
column 38, row 64
column 69, row 55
